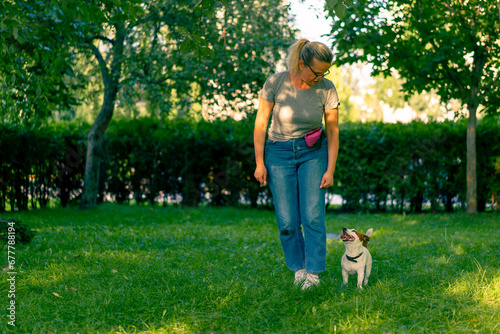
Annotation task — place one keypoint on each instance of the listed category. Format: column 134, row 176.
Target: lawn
column 139, row 269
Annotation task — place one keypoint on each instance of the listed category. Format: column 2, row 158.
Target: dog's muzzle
column 345, row 236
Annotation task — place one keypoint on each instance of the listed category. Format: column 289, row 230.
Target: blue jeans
column 294, row 173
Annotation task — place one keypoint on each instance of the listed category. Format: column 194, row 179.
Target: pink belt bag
column 314, row 138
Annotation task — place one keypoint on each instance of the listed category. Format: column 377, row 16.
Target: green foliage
column 36, row 58
column 181, row 157
column 488, row 163
column 21, row 231
column 46, row 52
column 129, row 269
column 381, row 167
column 171, row 74
column 37, row 165
column 338, row 7
column 450, row 47
column 397, row 164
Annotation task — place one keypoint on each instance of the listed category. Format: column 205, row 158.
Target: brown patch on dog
column 364, row 238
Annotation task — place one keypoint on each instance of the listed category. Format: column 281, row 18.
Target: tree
column 448, row 46
column 236, row 74
column 161, row 51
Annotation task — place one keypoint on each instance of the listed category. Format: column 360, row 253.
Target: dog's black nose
column 344, row 230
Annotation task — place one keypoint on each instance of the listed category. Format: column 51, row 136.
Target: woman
column 298, row 174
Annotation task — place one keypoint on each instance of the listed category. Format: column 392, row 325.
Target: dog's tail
column 367, row 236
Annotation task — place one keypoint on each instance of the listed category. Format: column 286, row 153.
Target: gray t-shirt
column 297, row 111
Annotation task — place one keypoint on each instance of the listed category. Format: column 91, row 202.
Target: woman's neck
column 297, row 82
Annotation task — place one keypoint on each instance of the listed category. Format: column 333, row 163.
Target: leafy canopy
column 175, row 52
column 450, row 46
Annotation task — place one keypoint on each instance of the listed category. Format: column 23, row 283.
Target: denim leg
column 312, row 208
column 283, row 181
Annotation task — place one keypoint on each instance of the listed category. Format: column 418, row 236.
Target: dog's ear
column 365, row 240
column 369, row 233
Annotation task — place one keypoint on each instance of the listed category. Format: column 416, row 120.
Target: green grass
column 127, row 269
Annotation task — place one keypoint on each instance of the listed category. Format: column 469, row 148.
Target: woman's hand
column 327, row 180
column 261, row 174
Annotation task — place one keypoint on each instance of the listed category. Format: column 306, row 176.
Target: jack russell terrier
column 357, row 258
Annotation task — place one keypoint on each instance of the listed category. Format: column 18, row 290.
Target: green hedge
column 191, row 159
column 37, row 165
column 381, row 167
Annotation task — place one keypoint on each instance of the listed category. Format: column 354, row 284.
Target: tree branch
column 102, row 63
column 450, row 7
column 103, row 38
column 116, row 64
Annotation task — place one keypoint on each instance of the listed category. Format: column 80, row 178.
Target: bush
column 21, row 231
column 381, row 167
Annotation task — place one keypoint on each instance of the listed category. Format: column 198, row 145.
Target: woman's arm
column 259, row 138
column 332, row 135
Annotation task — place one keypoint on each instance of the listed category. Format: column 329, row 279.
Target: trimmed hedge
column 381, row 167
column 192, row 159
column 37, row 165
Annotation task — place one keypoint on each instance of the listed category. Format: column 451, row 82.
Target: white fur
column 363, row 266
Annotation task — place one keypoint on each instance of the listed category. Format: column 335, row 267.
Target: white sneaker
column 300, row 276
column 311, row 280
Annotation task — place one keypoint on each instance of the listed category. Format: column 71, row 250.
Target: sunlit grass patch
column 481, row 285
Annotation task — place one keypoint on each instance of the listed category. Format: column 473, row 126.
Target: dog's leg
column 368, row 271
column 345, row 276
column 361, row 276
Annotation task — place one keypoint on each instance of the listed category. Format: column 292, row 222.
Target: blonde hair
column 305, row 50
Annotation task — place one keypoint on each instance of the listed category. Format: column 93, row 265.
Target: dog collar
column 353, row 259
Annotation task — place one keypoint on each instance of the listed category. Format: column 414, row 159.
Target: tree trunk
column 494, row 201
column 94, row 152
column 111, row 78
column 471, row 162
